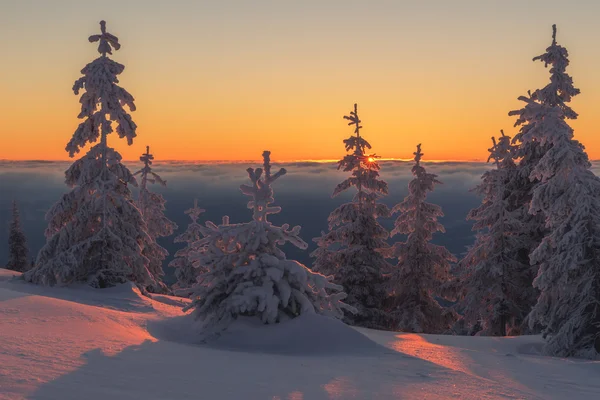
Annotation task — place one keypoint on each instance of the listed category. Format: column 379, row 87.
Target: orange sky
column 226, row 80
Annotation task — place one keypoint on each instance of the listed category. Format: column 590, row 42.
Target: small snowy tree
column 152, row 207
column 95, row 232
column 246, row 272
column 185, row 271
column 350, row 251
column 494, row 279
column 18, row 253
column 423, row 267
column 568, row 197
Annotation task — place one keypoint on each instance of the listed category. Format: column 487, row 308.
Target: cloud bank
column 304, row 194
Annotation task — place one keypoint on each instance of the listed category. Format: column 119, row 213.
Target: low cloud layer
column 304, row 194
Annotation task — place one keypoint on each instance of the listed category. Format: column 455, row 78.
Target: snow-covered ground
column 81, row 343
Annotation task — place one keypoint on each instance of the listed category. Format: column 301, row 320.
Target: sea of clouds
column 304, row 193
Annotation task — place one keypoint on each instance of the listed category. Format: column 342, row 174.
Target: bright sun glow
column 371, row 159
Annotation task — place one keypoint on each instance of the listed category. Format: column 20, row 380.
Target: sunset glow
column 299, row 200
column 224, row 81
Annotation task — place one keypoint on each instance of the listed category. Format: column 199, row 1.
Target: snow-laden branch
column 95, row 231
column 350, row 250
column 422, row 268
column 244, row 272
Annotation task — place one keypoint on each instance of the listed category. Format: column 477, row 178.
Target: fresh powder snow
column 84, row 343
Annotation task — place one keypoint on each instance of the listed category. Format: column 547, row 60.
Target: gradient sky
column 224, row 80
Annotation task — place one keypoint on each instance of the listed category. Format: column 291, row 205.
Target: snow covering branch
column 261, row 191
column 152, row 207
column 422, row 268
column 354, row 120
column 95, row 231
column 350, row 251
column 245, row 273
column 103, row 100
column 185, row 272
column 494, row 278
column 107, row 41
column 565, row 193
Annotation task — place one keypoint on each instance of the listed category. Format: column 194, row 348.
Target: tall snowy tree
column 152, row 207
column 559, row 93
column 494, row 279
column 567, row 195
column 350, row 250
column 18, row 253
column 247, row 274
column 185, row 271
column 95, row 232
column 423, row 267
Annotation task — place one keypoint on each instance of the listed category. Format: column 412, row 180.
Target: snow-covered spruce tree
column 350, row 250
column 152, row 207
column 18, row 253
column 248, row 275
column 95, row 232
column 558, row 93
column 494, row 280
column 568, row 197
column 423, row 267
column 185, row 271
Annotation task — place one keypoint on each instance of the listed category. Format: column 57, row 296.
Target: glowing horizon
column 255, row 160
column 222, row 82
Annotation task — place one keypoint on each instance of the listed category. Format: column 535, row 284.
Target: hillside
column 80, row 343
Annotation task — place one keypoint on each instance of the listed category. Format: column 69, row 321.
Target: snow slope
column 80, row 343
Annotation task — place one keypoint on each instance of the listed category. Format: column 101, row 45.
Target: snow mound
column 123, row 297
column 67, row 343
column 170, row 300
column 309, row 334
column 6, row 275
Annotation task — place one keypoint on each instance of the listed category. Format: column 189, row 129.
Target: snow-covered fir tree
column 423, row 267
column 568, row 196
column 559, row 93
column 95, row 232
column 152, row 207
column 185, row 271
column 494, row 278
column 247, row 274
column 18, row 252
column 350, row 250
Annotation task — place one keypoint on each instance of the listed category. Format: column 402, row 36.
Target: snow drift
column 83, row 343
column 309, row 334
